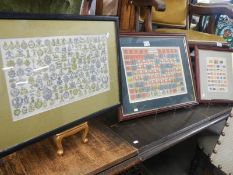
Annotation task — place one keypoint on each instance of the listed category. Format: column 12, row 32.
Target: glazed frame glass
column 144, row 89
column 52, row 47
column 214, row 72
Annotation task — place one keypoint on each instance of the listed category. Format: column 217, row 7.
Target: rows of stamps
column 216, row 69
column 48, row 72
column 153, row 72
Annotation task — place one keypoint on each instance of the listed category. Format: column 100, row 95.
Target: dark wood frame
column 197, row 72
column 24, row 16
column 121, row 116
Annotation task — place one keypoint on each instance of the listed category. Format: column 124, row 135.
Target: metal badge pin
column 24, row 45
column 5, row 46
column 31, row 44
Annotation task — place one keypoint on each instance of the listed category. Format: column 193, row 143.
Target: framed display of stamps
column 214, row 74
column 155, row 74
column 56, row 71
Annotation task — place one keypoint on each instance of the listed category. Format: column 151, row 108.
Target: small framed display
column 56, row 71
column 155, row 74
column 214, row 74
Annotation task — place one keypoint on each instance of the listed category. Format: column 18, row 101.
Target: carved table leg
column 58, row 137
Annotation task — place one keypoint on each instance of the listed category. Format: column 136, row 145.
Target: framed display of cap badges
column 214, row 74
column 55, row 72
column 155, row 74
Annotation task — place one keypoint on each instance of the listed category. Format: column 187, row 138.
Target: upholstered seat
column 174, row 16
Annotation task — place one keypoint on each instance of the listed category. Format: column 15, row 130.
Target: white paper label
column 146, row 43
column 219, row 44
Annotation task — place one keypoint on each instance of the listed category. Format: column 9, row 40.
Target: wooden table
column 113, row 146
column 159, row 132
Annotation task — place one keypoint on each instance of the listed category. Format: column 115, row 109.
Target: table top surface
column 160, row 131
column 114, row 146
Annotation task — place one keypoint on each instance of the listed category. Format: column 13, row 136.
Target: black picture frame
column 10, row 146
column 139, row 41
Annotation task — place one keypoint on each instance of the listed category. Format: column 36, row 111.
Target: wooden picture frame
column 213, row 74
column 142, row 93
column 56, row 72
